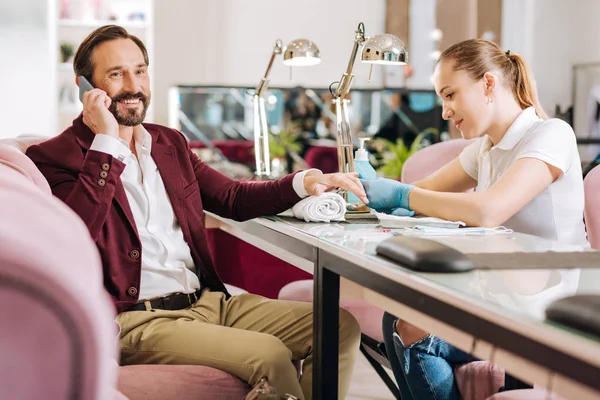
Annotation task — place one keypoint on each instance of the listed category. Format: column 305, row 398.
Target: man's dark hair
column 83, row 64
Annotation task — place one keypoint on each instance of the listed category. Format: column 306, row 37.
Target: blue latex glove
column 388, row 196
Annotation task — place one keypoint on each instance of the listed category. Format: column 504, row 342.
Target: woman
column 528, row 176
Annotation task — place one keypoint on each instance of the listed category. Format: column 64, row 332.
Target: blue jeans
column 423, row 370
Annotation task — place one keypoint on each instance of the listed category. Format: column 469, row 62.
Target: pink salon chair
column 592, row 210
column 57, row 337
column 322, row 157
column 526, row 394
column 431, row 158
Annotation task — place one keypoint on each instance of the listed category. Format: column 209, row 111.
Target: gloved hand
column 388, row 196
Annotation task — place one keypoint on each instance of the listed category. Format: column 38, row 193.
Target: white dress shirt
column 167, row 264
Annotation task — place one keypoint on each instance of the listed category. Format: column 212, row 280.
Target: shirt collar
column 516, row 131
column 142, row 137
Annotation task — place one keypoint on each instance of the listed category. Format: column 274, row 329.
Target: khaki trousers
column 248, row 336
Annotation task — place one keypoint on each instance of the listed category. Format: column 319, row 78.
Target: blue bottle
column 363, row 167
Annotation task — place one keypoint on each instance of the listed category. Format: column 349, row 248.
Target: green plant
column 396, row 154
column 66, row 51
column 286, row 141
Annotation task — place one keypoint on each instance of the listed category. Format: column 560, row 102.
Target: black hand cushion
column 580, row 312
column 424, row 255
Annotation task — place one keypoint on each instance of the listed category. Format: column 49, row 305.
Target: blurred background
column 207, row 56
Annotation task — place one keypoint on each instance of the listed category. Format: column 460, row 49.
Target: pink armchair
column 592, row 206
column 58, row 335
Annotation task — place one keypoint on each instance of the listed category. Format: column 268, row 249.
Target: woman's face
column 465, row 100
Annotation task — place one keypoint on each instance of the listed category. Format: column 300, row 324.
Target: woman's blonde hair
column 478, row 56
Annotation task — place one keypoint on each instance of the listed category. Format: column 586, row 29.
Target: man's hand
column 96, row 114
column 316, row 183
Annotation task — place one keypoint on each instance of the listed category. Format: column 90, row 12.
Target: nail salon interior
column 283, row 199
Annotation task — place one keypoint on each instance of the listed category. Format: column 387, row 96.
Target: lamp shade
column 384, row 49
column 301, row 52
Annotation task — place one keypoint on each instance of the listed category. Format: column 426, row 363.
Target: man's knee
column 349, row 327
column 272, row 355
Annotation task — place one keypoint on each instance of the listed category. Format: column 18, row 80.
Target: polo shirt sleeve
column 553, row 142
column 469, row 158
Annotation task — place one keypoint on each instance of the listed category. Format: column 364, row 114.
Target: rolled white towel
column 324, row 208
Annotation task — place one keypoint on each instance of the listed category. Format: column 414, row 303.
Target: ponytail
column 478, row 56
column 523, row 85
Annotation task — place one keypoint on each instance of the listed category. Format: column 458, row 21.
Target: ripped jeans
column 423, row 370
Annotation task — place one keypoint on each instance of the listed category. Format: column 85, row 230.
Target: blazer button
column 132, row 291
column 101, row 182
column 105, row 166
column 134, row 254
column 103, row 174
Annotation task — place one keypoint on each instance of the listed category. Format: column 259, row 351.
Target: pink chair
column 322, row 157
column 592, row 206
column 59, row 330
column 431, row 158
column 58, row 333
column 526, row 394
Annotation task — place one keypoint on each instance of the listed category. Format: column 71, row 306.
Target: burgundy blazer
column 89, row 182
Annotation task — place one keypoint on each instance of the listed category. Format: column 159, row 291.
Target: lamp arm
column 264, row 82
column 261, row 131
column 344, row 86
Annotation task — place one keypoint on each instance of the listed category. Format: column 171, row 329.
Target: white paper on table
column 393, row 221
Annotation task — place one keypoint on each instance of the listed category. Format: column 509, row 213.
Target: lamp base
column 357, row 208
column 358, row 211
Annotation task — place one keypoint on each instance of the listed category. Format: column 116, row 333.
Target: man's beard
column 132, row 117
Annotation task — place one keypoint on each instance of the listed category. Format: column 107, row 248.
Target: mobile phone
column 84, row 86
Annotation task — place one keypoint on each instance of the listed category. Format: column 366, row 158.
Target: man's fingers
column 345, row 181
column 356, row 180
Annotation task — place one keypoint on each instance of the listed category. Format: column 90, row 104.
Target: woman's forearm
column 472, row 208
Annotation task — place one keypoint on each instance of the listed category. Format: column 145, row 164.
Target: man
column 141, row 192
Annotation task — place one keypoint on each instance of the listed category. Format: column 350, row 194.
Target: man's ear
column 489, row 81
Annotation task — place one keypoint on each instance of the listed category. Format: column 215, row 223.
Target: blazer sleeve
column 242, row 200
column 88, row 190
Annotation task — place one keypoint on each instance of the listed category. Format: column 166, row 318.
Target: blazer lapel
column 166, row 160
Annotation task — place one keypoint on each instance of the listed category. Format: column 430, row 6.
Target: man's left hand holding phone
column 96, row 114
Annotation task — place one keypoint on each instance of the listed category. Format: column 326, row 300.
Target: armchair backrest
column 57, row 336
column 431, row 158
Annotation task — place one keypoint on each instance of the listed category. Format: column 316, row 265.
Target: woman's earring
column 490, row 100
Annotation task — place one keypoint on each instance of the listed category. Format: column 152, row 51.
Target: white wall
column 421, row 46
column 229, row 42
column 28, row 59
column 566, row 32
column 553, row 35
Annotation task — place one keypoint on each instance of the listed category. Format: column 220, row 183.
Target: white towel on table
column 324, row 208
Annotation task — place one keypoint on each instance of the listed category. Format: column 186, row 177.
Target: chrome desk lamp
column 385, row 49
column 299, row 52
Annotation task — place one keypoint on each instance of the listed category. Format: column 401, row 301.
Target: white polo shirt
column 557, row 212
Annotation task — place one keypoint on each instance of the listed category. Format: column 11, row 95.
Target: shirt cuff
column 110, row 145
column 298, row 182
